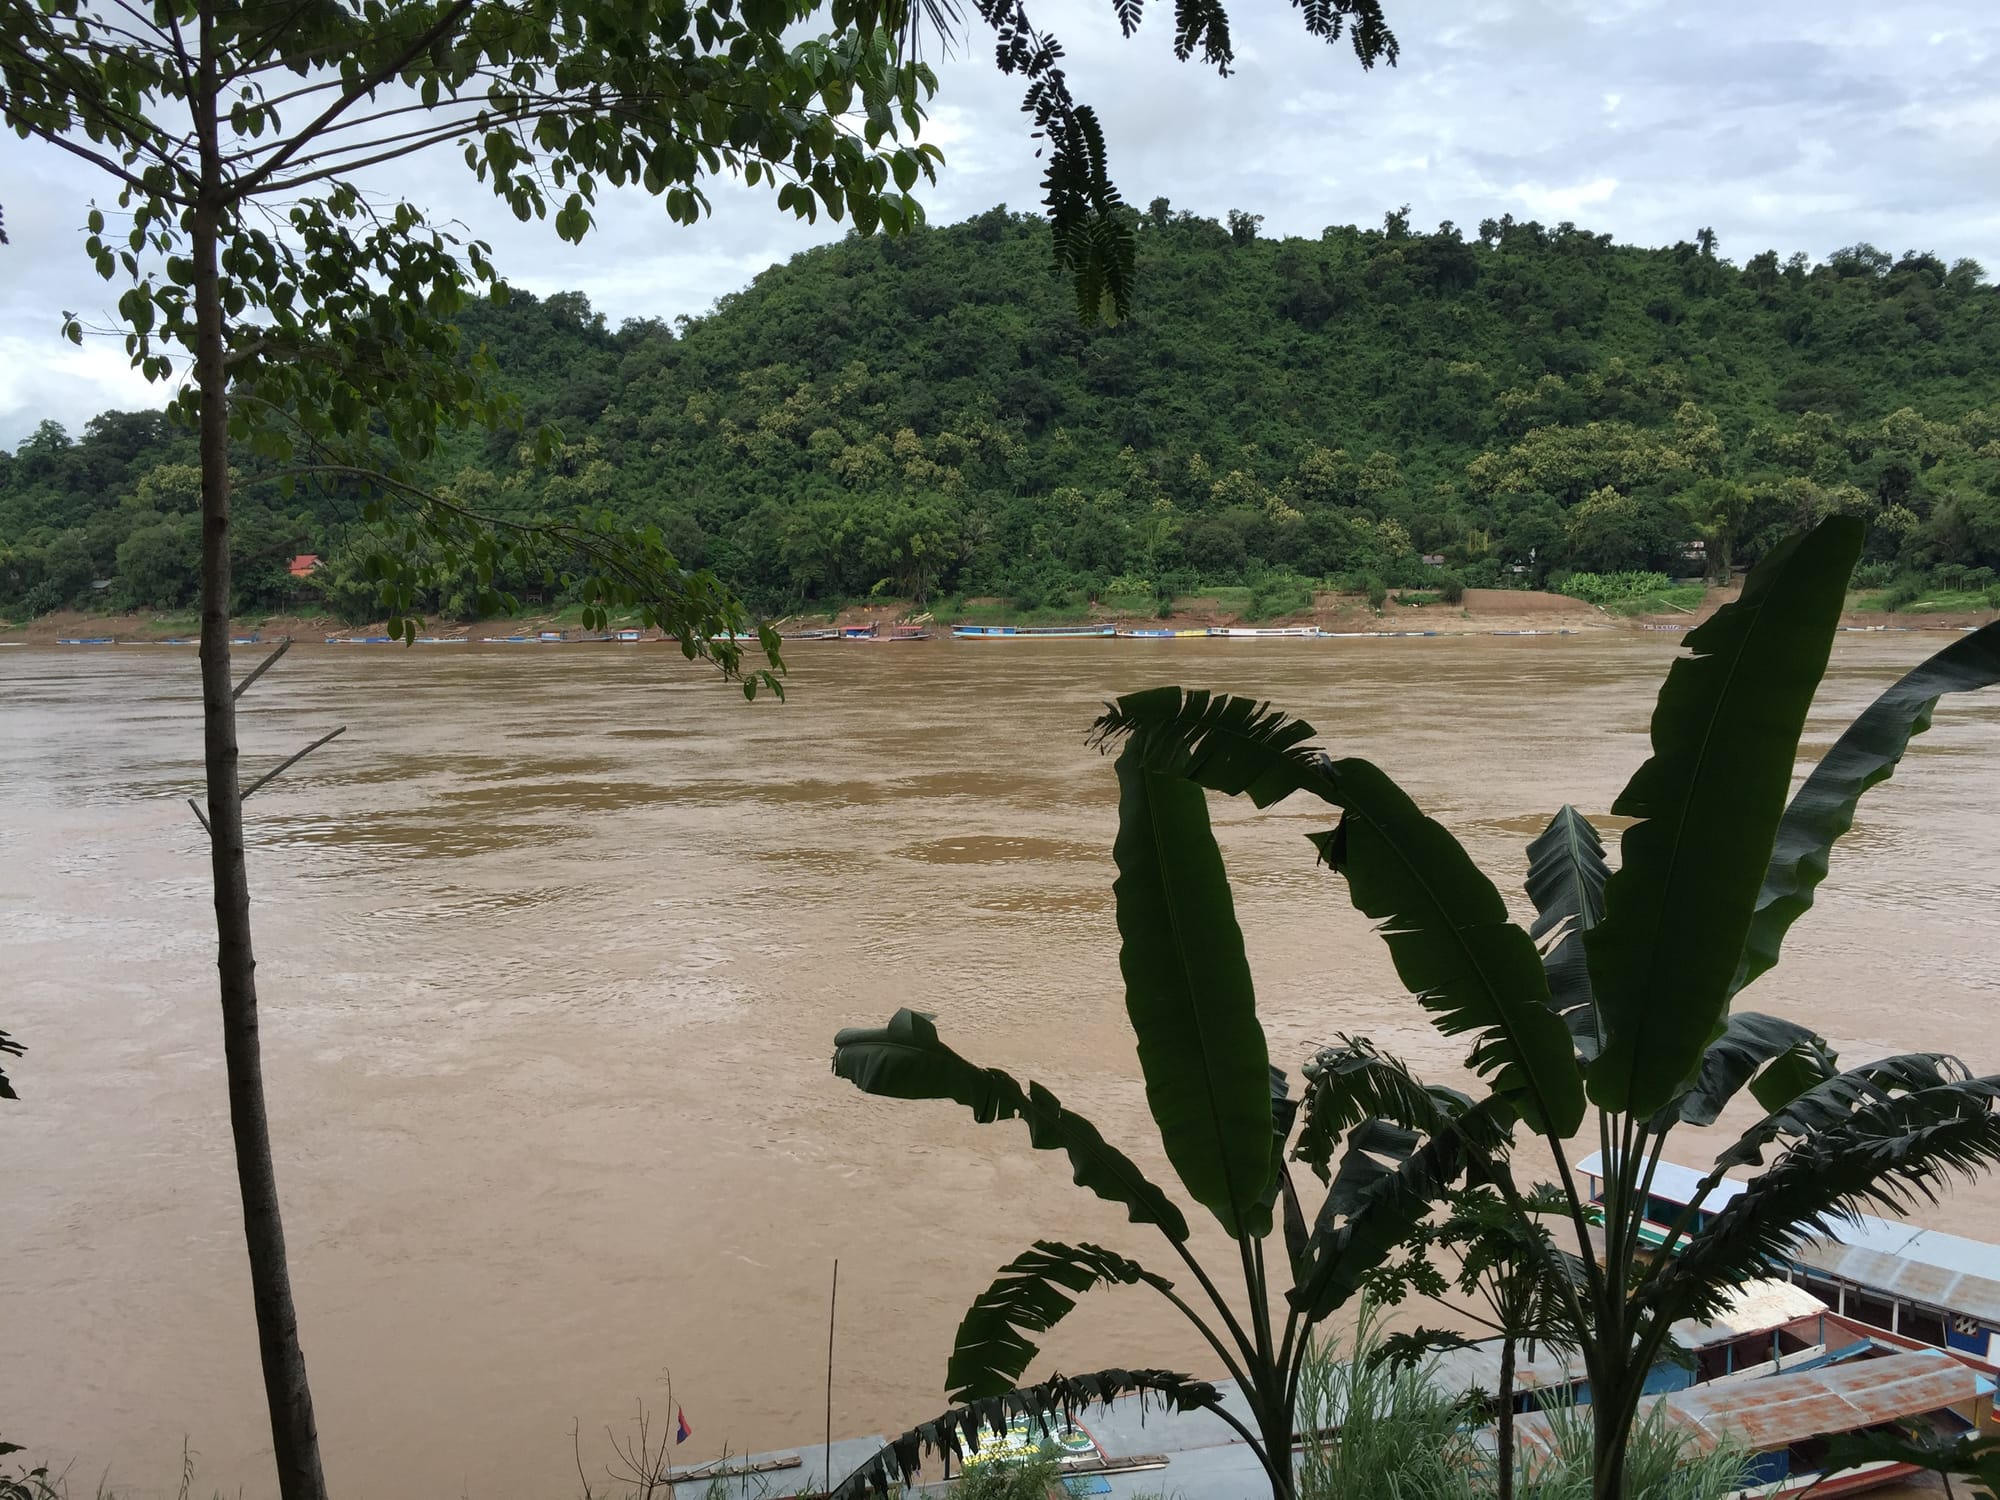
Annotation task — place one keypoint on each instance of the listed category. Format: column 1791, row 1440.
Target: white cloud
column 1565, row 202
column 1790, row 127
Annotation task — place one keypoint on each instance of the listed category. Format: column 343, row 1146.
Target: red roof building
column 304, row 563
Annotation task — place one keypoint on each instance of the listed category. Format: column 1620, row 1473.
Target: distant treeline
column 925, row 415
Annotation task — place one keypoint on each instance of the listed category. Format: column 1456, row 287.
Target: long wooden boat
column 85, row 640
column 1267, row 633
column 1031, row 632
column 1943, row 1289
column 1780, row 1418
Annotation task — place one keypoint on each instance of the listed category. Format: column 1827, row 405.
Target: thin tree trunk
column 1611, row 1431
column 1506, row 1442
column 294, row 1438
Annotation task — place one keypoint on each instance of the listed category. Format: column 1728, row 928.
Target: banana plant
column 1624, row 1029
column 1225, row 1118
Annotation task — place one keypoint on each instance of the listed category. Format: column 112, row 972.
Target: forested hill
column 926, row 416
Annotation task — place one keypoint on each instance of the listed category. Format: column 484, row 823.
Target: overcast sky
column 1786, row 124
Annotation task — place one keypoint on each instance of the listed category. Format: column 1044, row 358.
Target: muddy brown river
column 553, row 946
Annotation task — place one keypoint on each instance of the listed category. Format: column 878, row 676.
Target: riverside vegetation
column 1612, row 1018
column 925, row 417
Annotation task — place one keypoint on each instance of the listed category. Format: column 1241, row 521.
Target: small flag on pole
column 681, row 1428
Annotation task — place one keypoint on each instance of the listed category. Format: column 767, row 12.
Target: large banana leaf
column 1747, row 1043
column 1448, row 930
column 1834, row 1101
column 1453, row 946
column 1890, row 1153
column 1050, row 1407
column 1031, row 1294
column 1189, row 996
column 906, row 1060
column 1866, row 754
column 1566, row 875
column 1725, row 733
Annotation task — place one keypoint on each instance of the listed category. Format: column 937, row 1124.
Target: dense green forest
column 925, row 416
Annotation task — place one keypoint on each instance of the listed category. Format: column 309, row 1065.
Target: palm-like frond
column 1232, row 745
column 1725, row 732
column 1391, row 1204
column 1890, row 1153
column 8, row 1047
column 1031, row 1294
column 1351, row 1082
column 907, row 1060
column 1566, row 875
column 1864, row 756
column 1962, row 1454
column 1050, row 1408
column 1747, row 1043
column 1834, row 1101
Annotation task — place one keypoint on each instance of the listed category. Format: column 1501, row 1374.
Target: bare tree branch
column 285, row 765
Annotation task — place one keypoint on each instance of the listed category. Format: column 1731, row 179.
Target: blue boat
column 1030, row 632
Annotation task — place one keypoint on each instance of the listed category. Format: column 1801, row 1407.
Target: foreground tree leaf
column 1189, row 996
column 1725, row 733
column 1453, row 946
column 907, row 1060
column 1865, row 755
column 1566, row 875
column 1747, row 1043
column 1031, row 1294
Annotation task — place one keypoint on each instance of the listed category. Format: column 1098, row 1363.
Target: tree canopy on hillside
column 926, row 415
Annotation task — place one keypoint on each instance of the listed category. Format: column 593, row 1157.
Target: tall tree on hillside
column 310, row 320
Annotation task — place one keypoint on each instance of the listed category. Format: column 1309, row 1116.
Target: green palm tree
column 1625, row 1024
column 1626, row 1030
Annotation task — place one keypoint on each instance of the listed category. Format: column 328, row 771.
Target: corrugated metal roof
column 1943, row 1270
column 1940, row 1270
column 1755, row 1307
column 1778, row 1410
column 1673, row 1182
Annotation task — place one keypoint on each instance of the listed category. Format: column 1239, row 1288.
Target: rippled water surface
column 553, row 944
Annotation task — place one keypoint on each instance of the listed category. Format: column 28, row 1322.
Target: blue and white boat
column 1031, row 632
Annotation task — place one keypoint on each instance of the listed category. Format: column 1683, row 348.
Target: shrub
column 1451, row 588
column 1009, row 1479
column 1874, row 575
column 1904, row 592
column 1378, row 594
column 1608, row 588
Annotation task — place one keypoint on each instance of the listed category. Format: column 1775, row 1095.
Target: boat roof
column 1674, row 1183
column 1755, row 1307
column 1777, row 1410
column 1924, row 1265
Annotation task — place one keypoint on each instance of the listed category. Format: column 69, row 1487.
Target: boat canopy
column 1922, row 1265
column 1779, row 1410
column 1756, row 1307
column 1676, row 1184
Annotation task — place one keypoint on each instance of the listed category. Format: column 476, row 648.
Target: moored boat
column 1941, row 1289
column 1031, row 632
column 1781, row 1419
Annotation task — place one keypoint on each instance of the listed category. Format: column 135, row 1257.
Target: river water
column 553, row 946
